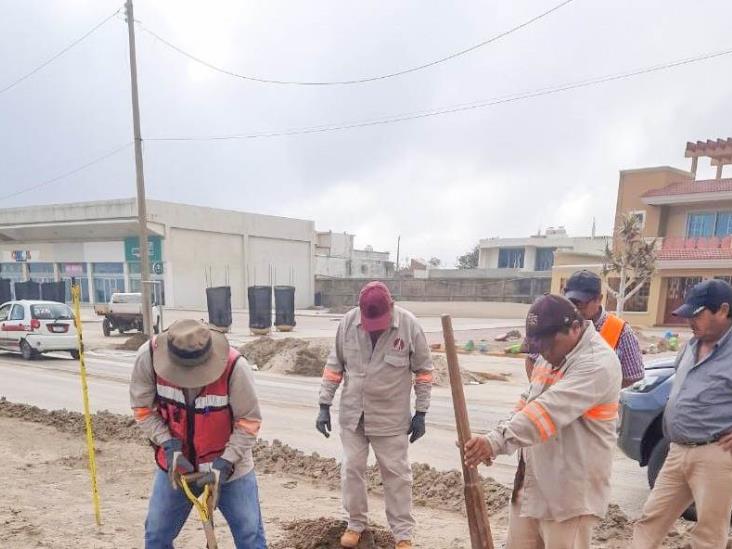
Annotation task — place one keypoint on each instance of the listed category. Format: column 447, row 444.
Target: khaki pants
column 531, row 533
column 396, row 474
column 700, row 474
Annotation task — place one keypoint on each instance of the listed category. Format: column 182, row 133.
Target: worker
column 698, row 422
column 380, row 352
column 193, row 396
column 565, row 429
column 584, row 289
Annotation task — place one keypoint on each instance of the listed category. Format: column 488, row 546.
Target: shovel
column 206, row 504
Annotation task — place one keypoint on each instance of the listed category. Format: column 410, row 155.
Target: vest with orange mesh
column 205, row 426
column 612, row 329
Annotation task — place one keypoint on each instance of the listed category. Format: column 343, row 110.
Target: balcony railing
column 695, row 251
column 694, row 243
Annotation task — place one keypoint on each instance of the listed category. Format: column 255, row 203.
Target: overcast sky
column 442, row 182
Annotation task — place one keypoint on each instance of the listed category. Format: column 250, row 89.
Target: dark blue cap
column 707, row 294
column 583, row 286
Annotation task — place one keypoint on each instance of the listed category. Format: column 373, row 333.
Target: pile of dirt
column 107, row 426
column 325, row 533
column 289, row 355
column 133, row 342
column 442, row 378
column 615, row 526
column 431, row 488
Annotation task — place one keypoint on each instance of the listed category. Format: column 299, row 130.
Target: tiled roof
column 694, row 254
column 693, row 187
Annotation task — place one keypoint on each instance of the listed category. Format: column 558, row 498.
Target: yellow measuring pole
column 76, row 297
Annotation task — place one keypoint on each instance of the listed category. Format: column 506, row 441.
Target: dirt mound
column 442, row 378
column 431, row 488
column 289, row 355
column 615, row 526
column 107, row 426
column 325, row 533
column 133, row 342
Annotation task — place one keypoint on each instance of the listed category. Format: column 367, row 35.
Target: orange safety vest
column 612, row 329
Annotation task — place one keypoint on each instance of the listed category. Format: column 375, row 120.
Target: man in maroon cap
column 380, row 353
column 564, row 431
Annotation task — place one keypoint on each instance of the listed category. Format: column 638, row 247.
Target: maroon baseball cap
column 548, row 315
column 375, row 302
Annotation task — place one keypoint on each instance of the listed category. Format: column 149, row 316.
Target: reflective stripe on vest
column 206, row 425
column 612, row 329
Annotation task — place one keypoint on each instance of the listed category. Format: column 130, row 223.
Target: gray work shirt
column 699, row 408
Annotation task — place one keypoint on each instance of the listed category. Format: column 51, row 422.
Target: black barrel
column 54, row 291
column 5, row 294
column 284, row 306
column 260, row 307
column 219, row 306
column 27, row 290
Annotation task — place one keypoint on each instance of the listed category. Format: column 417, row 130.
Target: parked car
column 640, row 431
column 124, row 313
column 35, row 327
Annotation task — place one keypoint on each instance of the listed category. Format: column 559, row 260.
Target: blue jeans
column 238, row 501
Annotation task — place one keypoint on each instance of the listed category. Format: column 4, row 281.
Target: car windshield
column 51, row 311
column 126, row 298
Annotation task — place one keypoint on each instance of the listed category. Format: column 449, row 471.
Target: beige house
column 690, row 219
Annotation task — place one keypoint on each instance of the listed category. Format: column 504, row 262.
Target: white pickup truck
column 124, row 313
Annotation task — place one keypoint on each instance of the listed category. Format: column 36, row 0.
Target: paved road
column 288, row 406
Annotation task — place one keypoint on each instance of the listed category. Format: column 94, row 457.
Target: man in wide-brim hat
column 193, row 396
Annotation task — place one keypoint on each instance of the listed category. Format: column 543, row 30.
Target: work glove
column 223, row 469
column 177, row 462
column 417, row 429
column 322, row 424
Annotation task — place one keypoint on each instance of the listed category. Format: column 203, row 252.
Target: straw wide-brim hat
column 190, row 354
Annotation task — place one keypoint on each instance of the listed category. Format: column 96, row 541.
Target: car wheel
column 27, row 350
column 74, row 354
column 106, row 327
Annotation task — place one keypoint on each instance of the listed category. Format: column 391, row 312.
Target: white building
column 336, row 257
column 191, row 248
column 536, row 253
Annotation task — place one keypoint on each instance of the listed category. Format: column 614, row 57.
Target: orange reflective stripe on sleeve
column 520, row 405
column 602, row 412
column 330, row 375
column 142, row 414
column 249, row 426
column 423, row 377
column 541, row 420
column 545, row 375
column 612, row 329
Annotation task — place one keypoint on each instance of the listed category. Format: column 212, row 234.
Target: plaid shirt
column 628, row 350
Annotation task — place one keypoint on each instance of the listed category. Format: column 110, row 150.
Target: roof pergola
column 718, row 151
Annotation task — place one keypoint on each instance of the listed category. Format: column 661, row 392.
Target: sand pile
column 289, row 355
column 325, row 533
column 132, row 343
column 442, row 378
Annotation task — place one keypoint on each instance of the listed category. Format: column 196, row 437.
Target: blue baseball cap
column 707, row 294
column 583, row 286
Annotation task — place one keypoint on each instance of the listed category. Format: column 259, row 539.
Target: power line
column 458, row 108
column 60, row 53
column 357, row 80
column 69, row 173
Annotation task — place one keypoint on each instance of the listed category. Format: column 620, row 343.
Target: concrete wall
column 282, row 262
column 345, row 292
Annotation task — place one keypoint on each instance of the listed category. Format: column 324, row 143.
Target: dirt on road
column 289, row 355
column 47, row 501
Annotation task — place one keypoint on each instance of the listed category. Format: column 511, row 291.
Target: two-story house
column 690, row 219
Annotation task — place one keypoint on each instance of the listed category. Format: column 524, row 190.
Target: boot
column 350, row 538
column 404, row 544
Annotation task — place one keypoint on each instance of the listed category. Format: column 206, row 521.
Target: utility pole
column 399, row 241
column 141, row 204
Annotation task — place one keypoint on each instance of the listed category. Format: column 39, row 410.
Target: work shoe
column 404, row 544
column 351, row 538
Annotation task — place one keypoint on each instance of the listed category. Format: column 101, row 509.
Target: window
column 636, row 304
column 18, row 313
column 51, row 311
column 706, row 224
column 67, row 271
column 640, row 215
column 4, row 312
column 511, row 258
column 41, row 272
column 544, row 259
column 108, row 278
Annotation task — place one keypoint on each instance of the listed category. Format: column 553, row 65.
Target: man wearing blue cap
column 698, row 422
